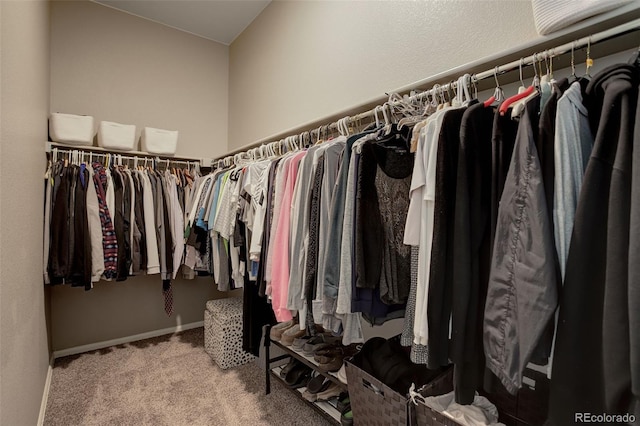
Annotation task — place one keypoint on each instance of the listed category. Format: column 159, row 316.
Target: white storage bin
column 72, row 129
column 553, row 15
column 159, row 141
column 117, row 136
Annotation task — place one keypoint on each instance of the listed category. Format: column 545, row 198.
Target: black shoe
column 343, row 401
column 346, row 416
column 292, row 363
column 298, row 376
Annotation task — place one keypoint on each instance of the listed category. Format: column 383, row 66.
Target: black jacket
column 592, row 328
column 634, row 263
column 471, row 249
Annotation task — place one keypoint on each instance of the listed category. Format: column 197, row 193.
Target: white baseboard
column 45, row 392
column 128, row 339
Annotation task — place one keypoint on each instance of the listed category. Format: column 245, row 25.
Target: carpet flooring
column 167, row 380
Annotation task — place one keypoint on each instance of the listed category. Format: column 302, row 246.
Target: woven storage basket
column 373, row 403
column 425, row 416
column 529, row 406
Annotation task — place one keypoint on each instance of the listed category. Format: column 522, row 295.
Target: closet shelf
column 309, row 362
column 329, row 411
column 50, row 145
column 324, row 408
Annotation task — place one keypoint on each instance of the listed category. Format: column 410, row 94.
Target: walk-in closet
column 277, row 212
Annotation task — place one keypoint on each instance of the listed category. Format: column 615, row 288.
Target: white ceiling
column 217, row 20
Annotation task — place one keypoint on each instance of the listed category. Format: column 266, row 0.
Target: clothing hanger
column 464, row 83
column 573, row 77
column 523, row 92
column 635, row 58
column 589, row 60
column 498, row 93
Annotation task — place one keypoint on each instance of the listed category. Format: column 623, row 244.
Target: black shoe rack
column 324, row 408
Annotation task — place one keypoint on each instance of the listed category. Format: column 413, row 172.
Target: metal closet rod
column 605, row 35
column 57, row 150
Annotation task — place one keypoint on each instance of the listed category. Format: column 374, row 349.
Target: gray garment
column 297, row 246
column 95, row 230
column 393, row 201
column 332, row 156
column 337, row 216
column 522, row 293
column 346, row 256
column 160, row 225
column 48, row 189
column 419, row 353
column 572, row 145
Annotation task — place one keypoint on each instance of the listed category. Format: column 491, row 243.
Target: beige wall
column 24, row 84
column 304, row 60
column 113, row 310
column 117, row 67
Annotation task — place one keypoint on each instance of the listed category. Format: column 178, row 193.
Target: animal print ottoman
column 223, row 332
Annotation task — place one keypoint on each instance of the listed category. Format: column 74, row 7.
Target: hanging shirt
column 522, row 266
column 300, row 217
column 259, row 200
column 48, row 190
column 420, row 215
column 594, row 369
column 153, row 261
column 573, row 143
column 281, row 175
column 280, row 271
column 95, row 229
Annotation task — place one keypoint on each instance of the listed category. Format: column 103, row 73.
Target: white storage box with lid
column 72, row 129
column 159, row 141
column 223, row 332
column 117, row 136
column 553, row 15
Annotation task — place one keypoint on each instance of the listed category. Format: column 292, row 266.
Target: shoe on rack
column 299, row 342
column 278, row 329
column 346, row 416
column 343, row 401
column 333, row 390
column 292, row 334
column 333, row 364
column 320, row 341
column 309, row 396
column 318, row 384
column 325, row 355
column 342, row 374
column 292, row 363
column 298, row 376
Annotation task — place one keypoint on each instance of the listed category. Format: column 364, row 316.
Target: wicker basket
column 425, row 416
column 528, row 407
column 373, row 403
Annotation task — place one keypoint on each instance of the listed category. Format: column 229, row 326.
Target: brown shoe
column 292, row 334
column 332, row 390
column 278, row 329
column 332, row 365
column 327, row 354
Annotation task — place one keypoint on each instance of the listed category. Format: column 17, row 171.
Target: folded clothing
column 388, row 361
column 480, row 413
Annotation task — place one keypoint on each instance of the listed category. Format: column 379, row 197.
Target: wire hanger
column 573, row 76
column 589, row 61
column 523, row 92
column 498, row 93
